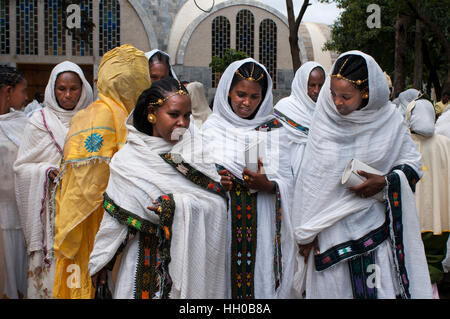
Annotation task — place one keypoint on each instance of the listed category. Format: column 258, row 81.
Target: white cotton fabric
column 420, row 117
column 14, row 258
column 376, row 135
column 153, row 52
column 138, row 177
column 443, row 124
column 404, row 98
column 226, row 135
column 200, row 107
column 43, row 140
column 299, row 107
column 32, row 107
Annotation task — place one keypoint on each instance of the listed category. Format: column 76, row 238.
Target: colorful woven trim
column 352, row 248
column 152, row 271
column 58, row 147
column 359, row 275
column 193, row 174
column 396, row 228
column 291, row 122
column 269, row 125
column 243, row 242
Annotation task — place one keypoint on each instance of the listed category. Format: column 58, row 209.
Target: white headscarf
column 299, row 106
column 153, row 52
column 405, row 98
column 40, row 151
column 420, row 117
column 200, row 107
column 222, row 109
column 50, row 98
column 443, row 124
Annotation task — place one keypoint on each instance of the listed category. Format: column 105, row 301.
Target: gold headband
column 250, row 78
column 340, row 76
column 179, row 92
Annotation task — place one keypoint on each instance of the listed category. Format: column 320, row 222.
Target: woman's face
column 172, row 115
column 158, row 71
column 315, row 82
column 68, row 90
column 18, row 95
column 245, row 97
column 346, row 97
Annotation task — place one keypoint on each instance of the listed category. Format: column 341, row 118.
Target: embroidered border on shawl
column 152, row 271
column 243, row 242
column 359, row 275
column 291, row 122
column 193, row 174
column 58, row 147
column 352, row 248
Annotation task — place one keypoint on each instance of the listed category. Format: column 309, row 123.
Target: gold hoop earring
column 151, row 118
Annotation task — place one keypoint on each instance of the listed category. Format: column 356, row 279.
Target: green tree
column 394, row 45
column 220, row 63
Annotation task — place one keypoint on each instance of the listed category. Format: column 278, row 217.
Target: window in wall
column 26, row 27
column 4, row 27
column 220, row 41
column 108, row 26
column 55, row 34
column 245, row 26
column 268, row 48
column 83, row 47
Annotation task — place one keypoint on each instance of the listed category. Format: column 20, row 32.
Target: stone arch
column 147, row 21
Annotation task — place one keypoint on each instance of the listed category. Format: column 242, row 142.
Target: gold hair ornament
column 179, row 92
column 340, row 76
column 250, row 78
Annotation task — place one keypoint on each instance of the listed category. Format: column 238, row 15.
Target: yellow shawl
column 95, row 135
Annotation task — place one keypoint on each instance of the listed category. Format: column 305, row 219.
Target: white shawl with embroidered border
column 375, row 135
column 226, row 136
column 299, row 107
column 138, row 177
column 39, row 152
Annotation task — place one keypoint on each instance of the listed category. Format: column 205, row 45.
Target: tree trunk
column 400, row 54
column 294, row 25
column 434, row 78
column 418, row 57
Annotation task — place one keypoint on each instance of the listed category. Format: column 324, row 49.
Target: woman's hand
column 304, row 250
column 373, row 185
column 100, row 277
column 258, row 181
column 225, row 180
column 52, row 174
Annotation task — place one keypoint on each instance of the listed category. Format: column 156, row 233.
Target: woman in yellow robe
column 95, row 135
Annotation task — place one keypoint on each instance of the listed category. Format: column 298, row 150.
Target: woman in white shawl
column 364, row 247
column 67, row 92
column 260, row 244
column 176, row 248
column 13, row 258
column 433, row 190
column 159, row 65
column 296, row 110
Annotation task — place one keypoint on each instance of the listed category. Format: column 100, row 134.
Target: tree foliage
column 351, row 32
column 219, row 64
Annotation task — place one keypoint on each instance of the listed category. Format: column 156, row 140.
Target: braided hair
column 159, row 90
column 9, row 76
column 159, row 57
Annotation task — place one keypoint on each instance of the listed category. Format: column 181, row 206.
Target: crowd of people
column 147, row 192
